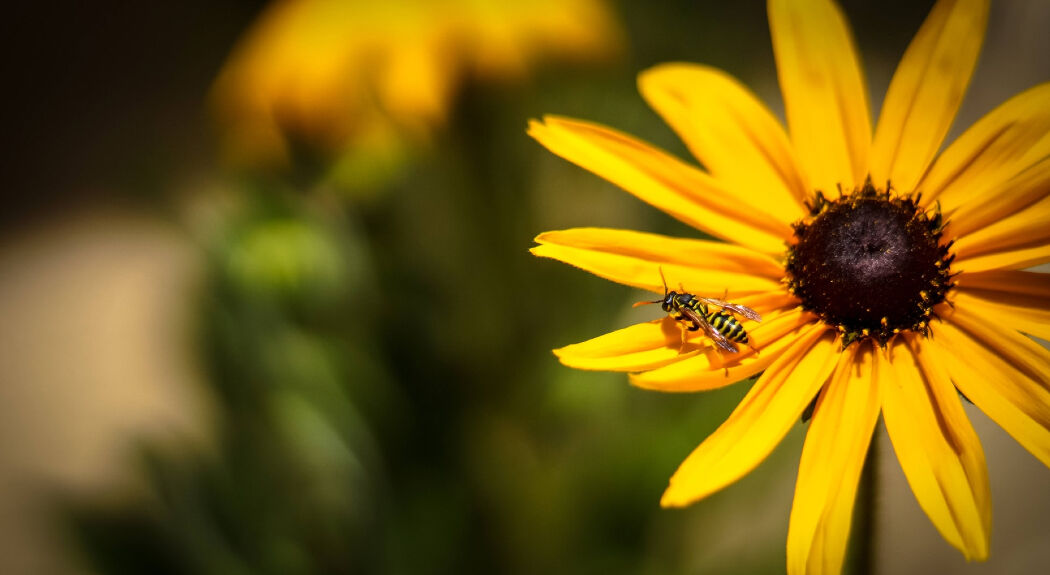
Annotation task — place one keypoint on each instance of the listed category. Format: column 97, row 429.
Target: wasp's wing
column 732, row 307
column 709, row 330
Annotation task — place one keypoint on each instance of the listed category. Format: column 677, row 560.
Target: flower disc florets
column 870, row 264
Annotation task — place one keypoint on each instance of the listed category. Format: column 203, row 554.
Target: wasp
column 723, row 328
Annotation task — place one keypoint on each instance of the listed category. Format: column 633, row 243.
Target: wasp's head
column 668, row 303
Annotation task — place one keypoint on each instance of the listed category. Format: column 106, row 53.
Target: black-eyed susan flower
column 889, row 275
column 373, row 79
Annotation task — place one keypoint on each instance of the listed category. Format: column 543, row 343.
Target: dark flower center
column 870, row 264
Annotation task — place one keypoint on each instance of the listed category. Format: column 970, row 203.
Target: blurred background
column 267, row 304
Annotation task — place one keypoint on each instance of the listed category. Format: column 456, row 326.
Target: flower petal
column 1019, row 241
column 1021, row 352
column 1002, row 144
column 1011, row 260
column 832, row 459
column 825, row 98
column 758, row 424
column 731, row 132
column 656, row 343
column 938, row 449
column 661, row 180
column 1024, row 319
column 1014, row 288
column 638, row 347
column 1011, row 197
column 1005, row 389
column 713, row 369
column 926, row 91
column 636, row 259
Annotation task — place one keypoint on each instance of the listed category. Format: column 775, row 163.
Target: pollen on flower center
column 870, row 264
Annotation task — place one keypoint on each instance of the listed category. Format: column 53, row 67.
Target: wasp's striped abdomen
column 728, row 326
column 725, row 323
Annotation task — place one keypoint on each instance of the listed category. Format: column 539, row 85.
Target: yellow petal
column 1019, row 241
column 663, row 181
column 1021, row 352
column 758, row 424
column 636, row 259
column 732, row 134
column 832, row 459
column 657, row 343
column 1013, row 397
column 825, row 98
column 1011, row 260
column 712, row 369
column 1015, row 288
column 1002, row 144
column 926, row 91
column 1033, row 321
column 638, row 347
column 1010, row 197
column 938, row 448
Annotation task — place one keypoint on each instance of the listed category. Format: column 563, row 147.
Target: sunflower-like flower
column 350, row 76
column 889, row 276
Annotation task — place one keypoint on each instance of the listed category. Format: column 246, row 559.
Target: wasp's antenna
column 662, row 278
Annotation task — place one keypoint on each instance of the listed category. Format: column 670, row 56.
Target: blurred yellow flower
column 345, row 75
column 872, row 303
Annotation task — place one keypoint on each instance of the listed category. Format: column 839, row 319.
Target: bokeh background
column 266, row 304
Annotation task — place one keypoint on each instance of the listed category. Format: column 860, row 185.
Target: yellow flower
column 835, row 235
column 350, row 74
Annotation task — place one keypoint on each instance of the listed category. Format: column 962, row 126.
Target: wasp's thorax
column 870, row 264
column 675, row 300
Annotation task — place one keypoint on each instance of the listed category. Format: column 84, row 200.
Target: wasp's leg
column 683, row 340
column 694, row 327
